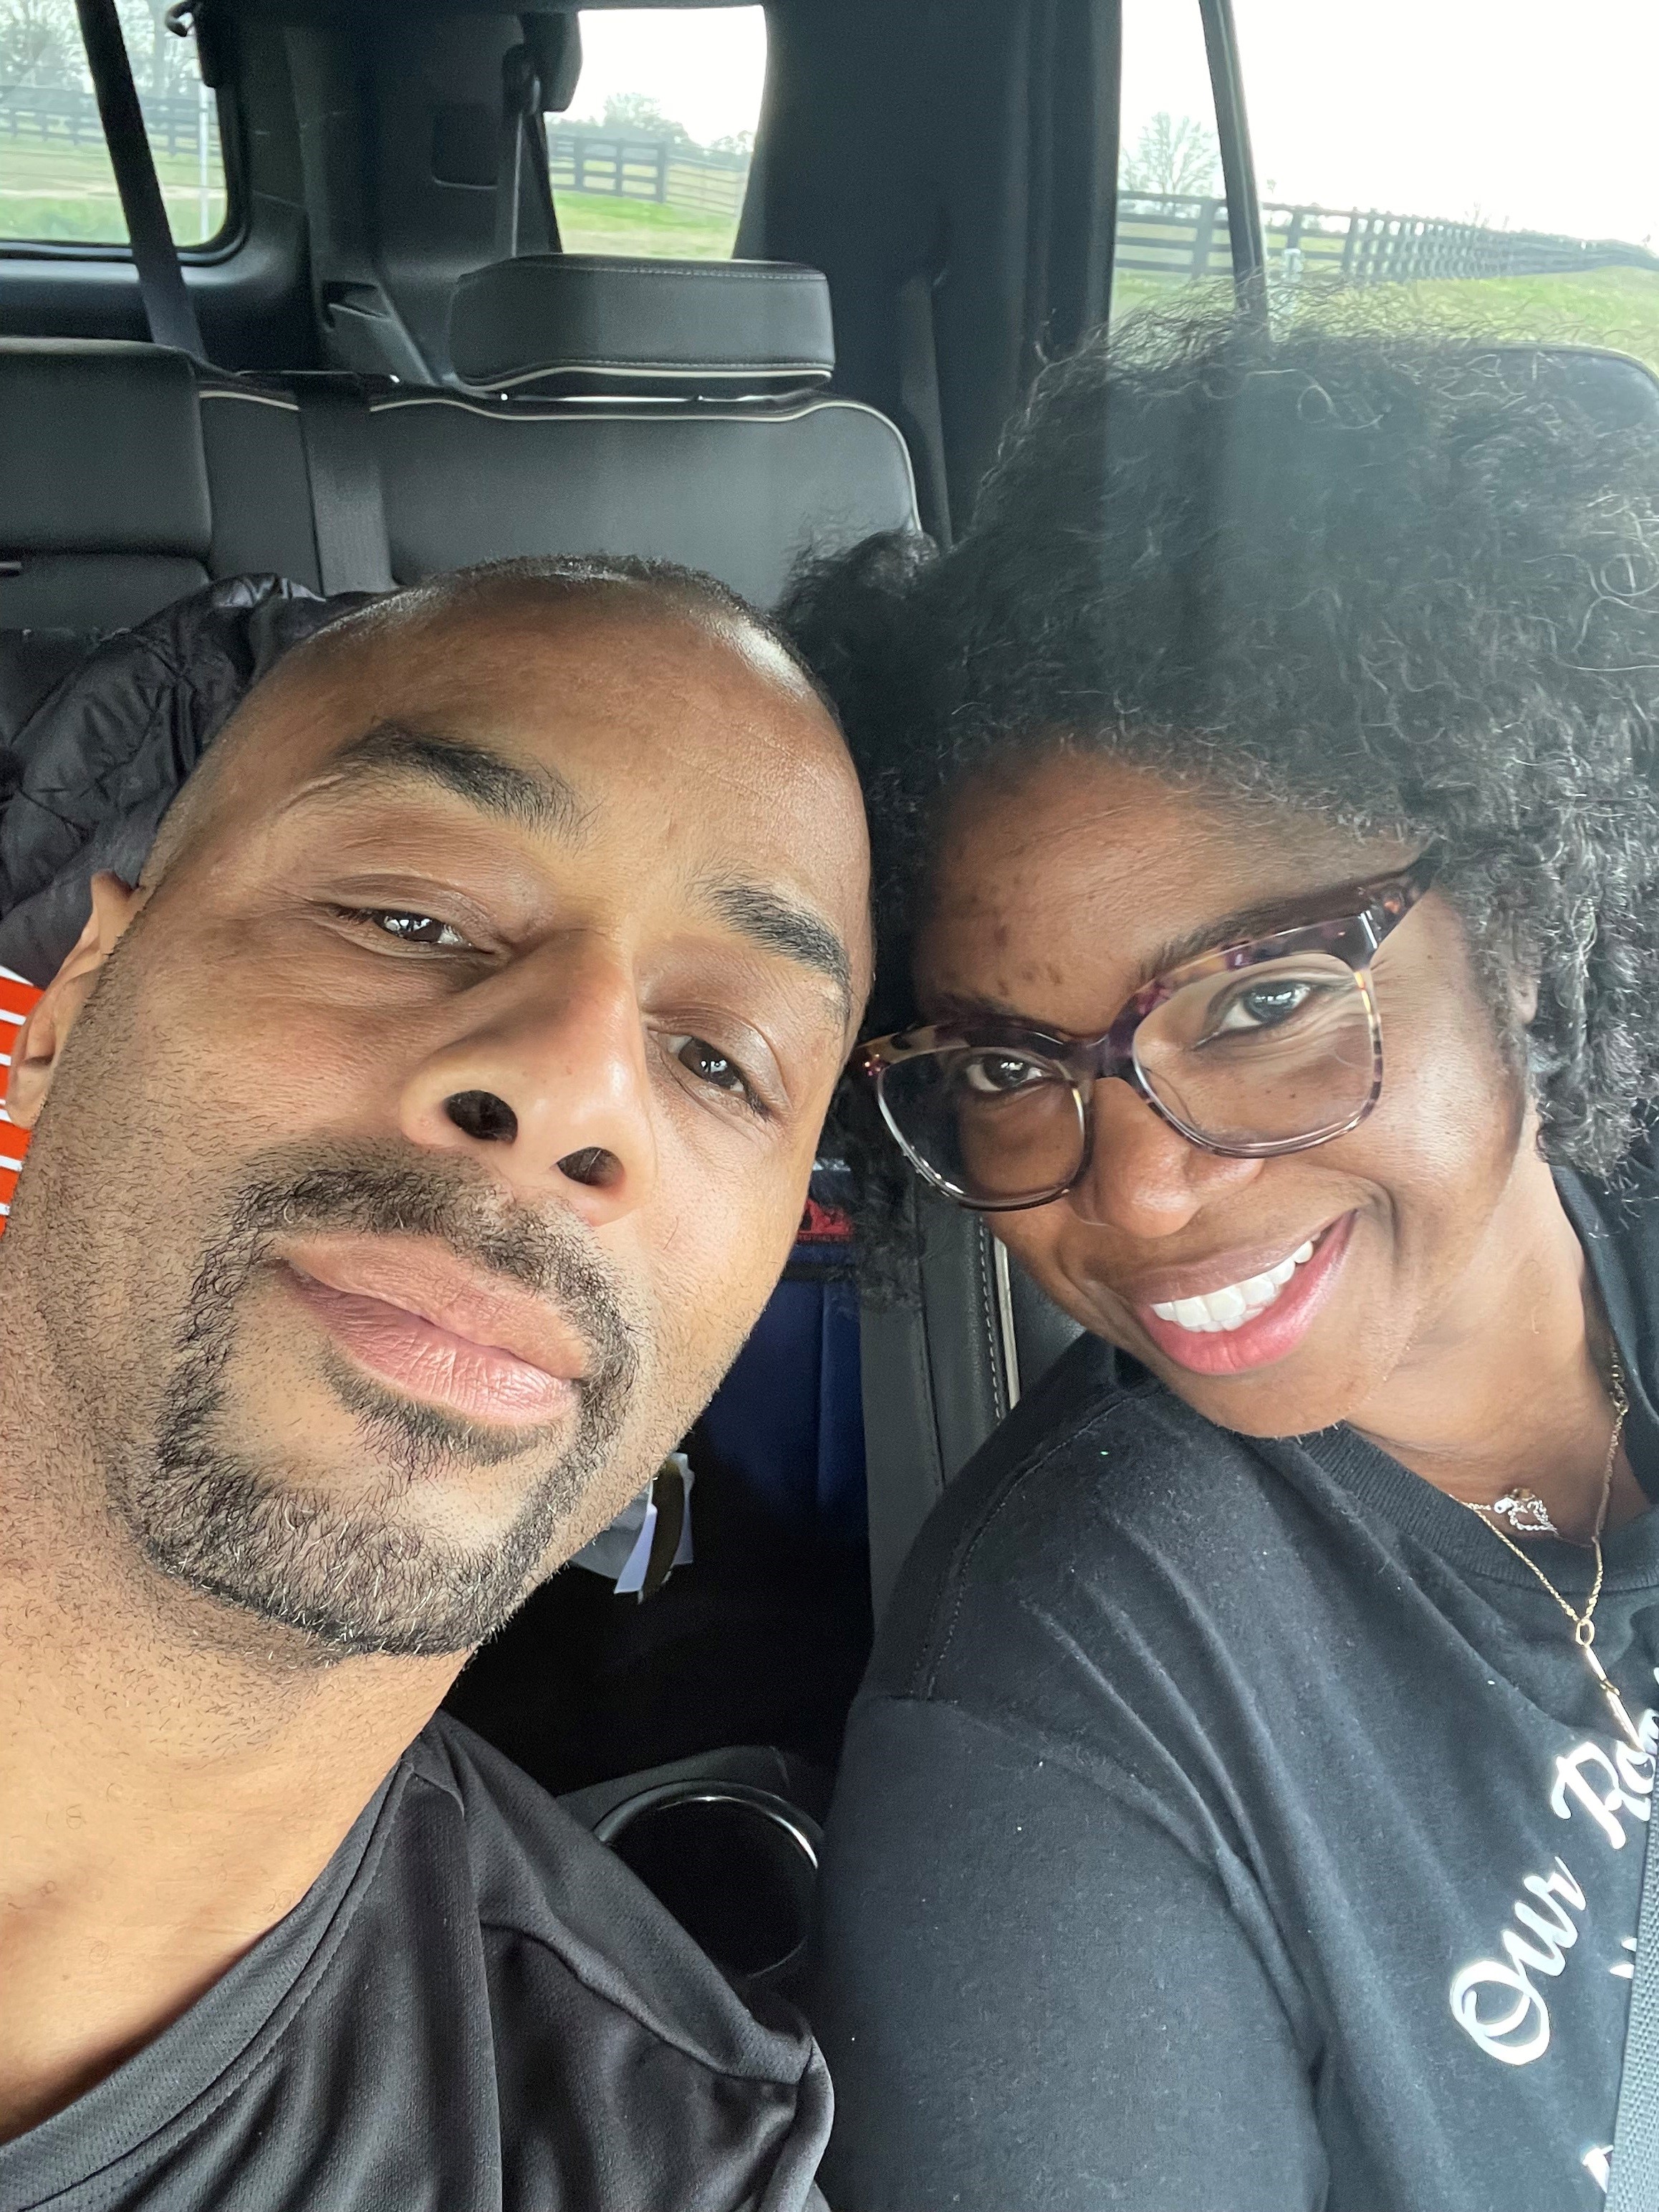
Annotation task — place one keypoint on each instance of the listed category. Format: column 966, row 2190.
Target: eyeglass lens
column 1273, row 1054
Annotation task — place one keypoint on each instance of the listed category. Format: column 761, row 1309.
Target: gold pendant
column 1524, row 1510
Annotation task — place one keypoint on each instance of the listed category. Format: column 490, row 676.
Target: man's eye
column 406, row 928
column 710, row 1066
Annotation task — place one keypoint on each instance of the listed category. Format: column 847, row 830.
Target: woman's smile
column 1252, row 1321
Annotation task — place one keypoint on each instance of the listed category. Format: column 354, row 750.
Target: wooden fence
column 639, row 168
column 1182, row 236
column 69, row 118
column 582, row 160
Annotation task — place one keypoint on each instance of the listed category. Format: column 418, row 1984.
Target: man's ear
column 40, row 1043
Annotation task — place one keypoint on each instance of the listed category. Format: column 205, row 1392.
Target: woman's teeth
column 1235, row 1303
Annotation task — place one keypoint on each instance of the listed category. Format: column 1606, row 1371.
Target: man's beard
column 355, row 1581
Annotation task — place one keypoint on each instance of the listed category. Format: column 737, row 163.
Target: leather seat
column 105, row 510
column 128, row 477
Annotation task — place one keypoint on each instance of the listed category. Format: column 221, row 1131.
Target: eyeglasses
column 1269, row 1046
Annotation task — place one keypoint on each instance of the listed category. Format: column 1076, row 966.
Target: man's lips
column 1272, row 1334
column 409, row 1312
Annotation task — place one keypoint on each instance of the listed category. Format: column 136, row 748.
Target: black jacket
column 96, row 736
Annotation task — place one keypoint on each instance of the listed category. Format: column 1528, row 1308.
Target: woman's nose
column 546, row 1083
column 1144, row 1178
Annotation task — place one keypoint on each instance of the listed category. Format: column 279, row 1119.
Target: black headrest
column 578, row 322
column 1612, row 388
column 100, row 449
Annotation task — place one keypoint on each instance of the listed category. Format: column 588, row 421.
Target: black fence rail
column 665, row 170
column 1183, row 236
column 66, row 117
column 625, row 166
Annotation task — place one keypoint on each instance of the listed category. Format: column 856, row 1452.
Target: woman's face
column 1056, row 896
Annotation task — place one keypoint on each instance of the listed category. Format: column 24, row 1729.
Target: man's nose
column 545, row 1082
column 1145, row 1179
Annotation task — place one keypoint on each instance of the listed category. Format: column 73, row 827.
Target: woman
column 1247, row 1802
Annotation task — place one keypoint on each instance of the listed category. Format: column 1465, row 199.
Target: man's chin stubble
column 359, row 1580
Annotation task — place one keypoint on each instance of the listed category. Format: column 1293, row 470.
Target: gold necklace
column 1583, row 1624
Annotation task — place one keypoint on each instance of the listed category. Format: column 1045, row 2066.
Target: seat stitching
column 635, row 365
column 253, row 398
column 981, row 1253
column 684, row 272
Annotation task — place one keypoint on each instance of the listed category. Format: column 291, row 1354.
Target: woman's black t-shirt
column 1230, row 1824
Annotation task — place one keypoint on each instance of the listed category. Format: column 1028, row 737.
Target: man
column 414, row 1146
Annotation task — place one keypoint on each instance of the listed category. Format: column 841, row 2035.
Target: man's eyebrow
column 539, row 799
column 779, row 925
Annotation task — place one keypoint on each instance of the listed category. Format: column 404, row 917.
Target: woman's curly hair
column 1409, row 585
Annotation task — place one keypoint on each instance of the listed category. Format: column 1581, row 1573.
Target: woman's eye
column 994, row 1074
column 1264, row 1006
column 710, row 1066
column 423, row 929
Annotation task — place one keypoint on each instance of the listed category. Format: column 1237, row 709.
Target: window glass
column 1476, row 164
column 56, row 181
column 1171, row 217
column 653, row 157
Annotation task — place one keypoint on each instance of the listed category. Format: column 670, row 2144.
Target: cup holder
column 735, row 1865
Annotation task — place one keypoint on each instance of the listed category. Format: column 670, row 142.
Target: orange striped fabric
column 16, row 997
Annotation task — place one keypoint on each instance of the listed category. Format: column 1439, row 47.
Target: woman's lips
column 1272, row 1334
column 411, row 1340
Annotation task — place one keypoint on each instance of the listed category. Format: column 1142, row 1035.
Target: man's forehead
column 555, row 685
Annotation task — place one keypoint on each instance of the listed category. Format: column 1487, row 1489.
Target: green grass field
column 1615, row 307
column 599, row 222
column 60, row 191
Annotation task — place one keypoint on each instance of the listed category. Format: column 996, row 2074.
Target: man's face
column 427, row 1147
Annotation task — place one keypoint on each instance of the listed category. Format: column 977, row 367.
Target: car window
column 1466, row 165
column 1171, row 216
column 653, row 157
column 55, row 180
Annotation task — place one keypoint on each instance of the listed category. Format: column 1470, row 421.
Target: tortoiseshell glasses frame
column 922, row 1076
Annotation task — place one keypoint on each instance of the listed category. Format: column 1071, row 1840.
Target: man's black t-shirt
column 475, row 2007
column 1229, row 1826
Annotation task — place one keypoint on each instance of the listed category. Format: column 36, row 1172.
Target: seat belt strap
column 347, row 509
column 523, row 137
column 919, row 398
column 168, row 309
column 1633, row 2176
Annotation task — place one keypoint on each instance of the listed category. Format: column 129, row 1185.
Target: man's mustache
column 364, row 1189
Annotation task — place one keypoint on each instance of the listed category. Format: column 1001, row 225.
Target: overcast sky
column 1537, row 113
column 704, row 66
column 1533, row 110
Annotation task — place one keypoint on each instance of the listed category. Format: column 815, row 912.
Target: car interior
column 356, row 292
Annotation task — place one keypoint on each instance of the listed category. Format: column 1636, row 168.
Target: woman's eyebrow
column 970, row 1006
column 1266, row 918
